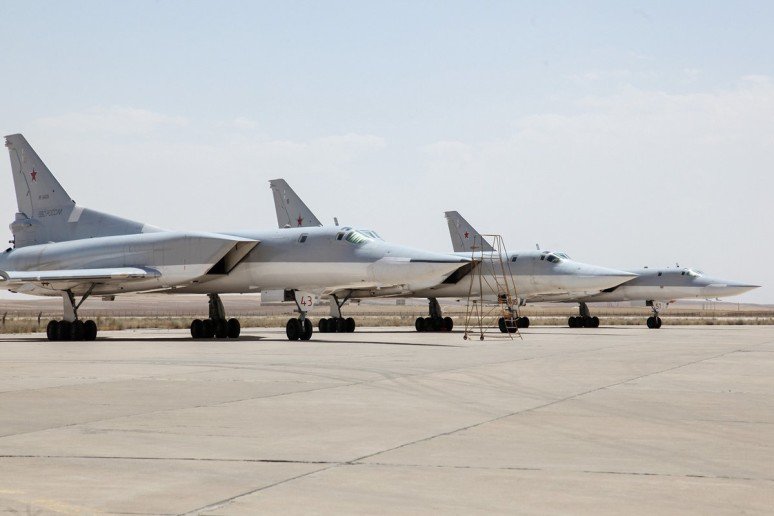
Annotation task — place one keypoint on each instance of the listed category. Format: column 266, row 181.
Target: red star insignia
column 299, row 220
column 466, row 234
column 34, row 175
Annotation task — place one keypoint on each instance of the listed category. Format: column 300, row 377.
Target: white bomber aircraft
column 537, row 276
column 653, row 286
column 63, row 249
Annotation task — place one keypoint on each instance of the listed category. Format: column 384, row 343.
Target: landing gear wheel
column 51, row 330
column 419, row 324
column 221, row 328
column 341, row 325
column 306, row 332
column 197, row 329
column 322, row 325
column 63, row 332
column 233, row 328
column 658, row 322
column 651, row 322
column 595, row 322
column 76, row 330
column 208, row 328
column 448, row 323
column 523, row 322
column 90, row 330
column 293, row 329
column 350, row 324
column 511, row 325
column 501, row 325
column 571, row 321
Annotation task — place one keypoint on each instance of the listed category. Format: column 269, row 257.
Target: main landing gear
column 217, row 325
column 585, row 320
column 511, row 324
column 654, row 322
column 299, row 328
column 70, row 327
column 336, row 323
column 436, row 321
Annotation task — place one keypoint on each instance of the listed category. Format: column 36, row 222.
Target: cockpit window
column 553, row 258
column 358, row 238
column 369, row 233
column 563, row 255
column 694, row 274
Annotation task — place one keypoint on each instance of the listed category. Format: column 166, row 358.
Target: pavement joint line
column 358, row 461
column 544, row 405
column 226, row 501
column 555, row 470
column 304, row 391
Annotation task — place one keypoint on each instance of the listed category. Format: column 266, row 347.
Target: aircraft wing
column 64, row 279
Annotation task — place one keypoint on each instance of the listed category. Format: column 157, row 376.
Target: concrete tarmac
column 583, row 421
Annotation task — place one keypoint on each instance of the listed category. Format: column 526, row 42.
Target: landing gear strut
column 217, row 325
column 299, row 328
column 336, row 323
column 436, row 321
column 654, row 322
column 585, row 320
column 70, row 327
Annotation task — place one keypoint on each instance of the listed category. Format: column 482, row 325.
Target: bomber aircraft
column 538, row 276
column 656, row 287
column 63, row 249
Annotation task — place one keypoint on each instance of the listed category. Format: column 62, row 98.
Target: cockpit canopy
column 358, row 236
column 692, row 273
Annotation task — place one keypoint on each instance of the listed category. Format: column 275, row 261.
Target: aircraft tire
column 306, row 330
column 658, row 322
column 571, row 321
column 322, row 325
column 341, row 325
column 208, row 328
column 233, row 328
column 90, row 330
column 651, row 322
column 448, row 323
column 197, row 329
column 63, row 330
column 293, row 329
column 76, row 330
column 350, row 322
column 419, row 324
column 501, row 325
column 436, row 323
column 221, row 328
column 595, row 322
column 51, row 330
column 523, row 322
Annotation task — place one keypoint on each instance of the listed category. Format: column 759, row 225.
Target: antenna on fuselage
column 537, row 246
column 335, row 221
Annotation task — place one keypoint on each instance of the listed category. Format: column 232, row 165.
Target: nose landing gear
column 654, row 321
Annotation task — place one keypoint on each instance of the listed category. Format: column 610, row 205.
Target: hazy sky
column 626, row 134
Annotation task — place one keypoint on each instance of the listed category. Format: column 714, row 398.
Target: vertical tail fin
column 463, row 235
column 37, row 190
column 46, row 212
column 291, row 210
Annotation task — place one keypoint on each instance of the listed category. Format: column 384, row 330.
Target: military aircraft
column 656, row 287
column 537, row 276
column 63, row 249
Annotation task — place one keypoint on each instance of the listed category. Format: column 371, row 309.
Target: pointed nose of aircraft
column 721, row 288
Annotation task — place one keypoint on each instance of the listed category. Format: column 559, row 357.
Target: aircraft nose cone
column 719, row 288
